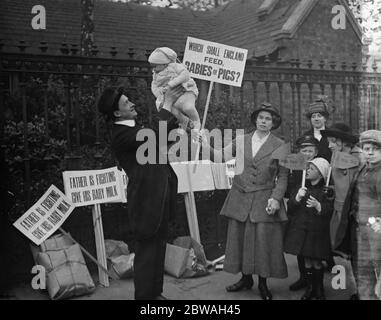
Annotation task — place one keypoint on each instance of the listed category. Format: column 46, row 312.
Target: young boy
column 167, row 73
column 308, row 146
column 362, row 205
column 308, row 232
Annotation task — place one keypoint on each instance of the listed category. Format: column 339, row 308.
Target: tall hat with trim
column 268, row 107
column 318, row 106
column 163, row 55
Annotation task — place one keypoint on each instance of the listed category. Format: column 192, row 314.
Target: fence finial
column 333, row 65
column 74, row 48
column 43, row 46
column 113, row 51
column 94, row 50
column 374, row 65
column 131, row 52
column 22, row 45
column 64, row 47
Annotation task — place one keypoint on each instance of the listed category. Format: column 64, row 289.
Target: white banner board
column 215, row 62
column 91, row 187
column 45, row 216
column 202, row 179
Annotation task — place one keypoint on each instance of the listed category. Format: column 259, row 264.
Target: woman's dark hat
column 268, row 107
column 307, row 141
column 318, row 106
column 340, row 131
column 108, row 101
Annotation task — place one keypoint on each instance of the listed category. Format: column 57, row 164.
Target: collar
column 128, row 123
column 373, row 166
column 257, row 138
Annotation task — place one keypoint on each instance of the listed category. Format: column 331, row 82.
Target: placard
column 215, row 62
column 90, row 187
column 201, row 179
column 45, row 216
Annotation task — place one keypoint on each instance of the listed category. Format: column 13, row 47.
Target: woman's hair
column 275, row 118
column 323, row 113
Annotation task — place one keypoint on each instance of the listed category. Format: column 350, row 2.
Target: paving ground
column 211, row 287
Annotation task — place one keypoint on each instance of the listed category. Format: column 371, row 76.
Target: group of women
column 342, row 219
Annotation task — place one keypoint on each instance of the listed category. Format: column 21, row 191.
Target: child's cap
column 307, row 141
column 162, row 55
column 322, row 165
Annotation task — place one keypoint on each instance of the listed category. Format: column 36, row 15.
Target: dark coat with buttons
column 308, row 231
column 152, row 188
column 262, row 178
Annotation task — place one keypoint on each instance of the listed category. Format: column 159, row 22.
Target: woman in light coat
column 254, row 205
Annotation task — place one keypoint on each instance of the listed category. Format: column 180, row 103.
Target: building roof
column 251, row 24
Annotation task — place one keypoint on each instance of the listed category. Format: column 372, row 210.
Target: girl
column 308, row 232
column 308, row 146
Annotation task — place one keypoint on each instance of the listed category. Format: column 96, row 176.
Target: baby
column 167, row 73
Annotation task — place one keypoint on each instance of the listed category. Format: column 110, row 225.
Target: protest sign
column 294, row 162
column 282, row 152
column 341, row 160
column 201, row 179
column 215, row 62
column 45, row 216
column 91, row 187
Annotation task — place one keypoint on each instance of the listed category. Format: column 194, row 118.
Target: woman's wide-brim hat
column 268, row 107
column 340, row 131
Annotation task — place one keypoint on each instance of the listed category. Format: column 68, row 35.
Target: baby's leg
column 187, row 105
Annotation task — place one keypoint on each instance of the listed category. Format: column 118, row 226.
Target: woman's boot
column 264, row 290
column 246, row 283
column 319, row 284
column 309, row 294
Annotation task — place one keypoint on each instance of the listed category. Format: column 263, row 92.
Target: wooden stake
column 190, row 207
column 329, row 176
column 304, row 179
column 100, row 245
column 203, row 122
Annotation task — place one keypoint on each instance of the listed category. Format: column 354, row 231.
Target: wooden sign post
column 100, row 245
column 93, row 187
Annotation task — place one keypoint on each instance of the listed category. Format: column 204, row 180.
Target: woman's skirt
column 255, row 248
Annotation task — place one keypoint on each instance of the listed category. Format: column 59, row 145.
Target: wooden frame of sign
column 100, row 245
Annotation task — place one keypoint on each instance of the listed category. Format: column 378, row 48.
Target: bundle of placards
column 66, row 273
